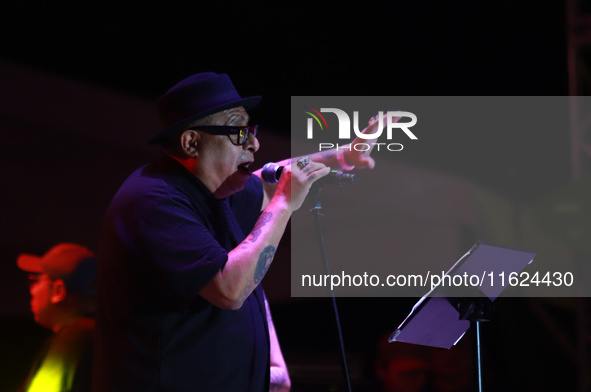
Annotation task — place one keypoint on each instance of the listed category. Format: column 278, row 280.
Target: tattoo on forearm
column 257, row 230
column 246, row 293
column 264, row 263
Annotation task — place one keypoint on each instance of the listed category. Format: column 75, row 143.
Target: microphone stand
column 316, row 211
column 475, row 310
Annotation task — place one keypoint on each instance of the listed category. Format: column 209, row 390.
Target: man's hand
column 296, row 180
column 320, row 165
column 363, row 159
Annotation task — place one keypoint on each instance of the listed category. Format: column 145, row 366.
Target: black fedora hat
column 196, row 97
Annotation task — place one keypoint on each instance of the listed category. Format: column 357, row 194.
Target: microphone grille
column 271, row 172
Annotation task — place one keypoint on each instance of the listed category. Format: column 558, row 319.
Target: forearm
column 248, row 263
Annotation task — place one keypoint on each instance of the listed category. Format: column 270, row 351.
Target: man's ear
column 59, row 291
column 189, row 141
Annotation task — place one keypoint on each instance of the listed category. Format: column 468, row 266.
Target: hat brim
column 247, row 103
column 30, row 263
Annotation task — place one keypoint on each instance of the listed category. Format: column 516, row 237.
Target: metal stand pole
column 316, row 211
column 477, row 354
column 475, row 310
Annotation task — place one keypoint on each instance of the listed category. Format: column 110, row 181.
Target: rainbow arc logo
column 316, row 114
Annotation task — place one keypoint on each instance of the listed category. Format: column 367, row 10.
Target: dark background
column 279, row 50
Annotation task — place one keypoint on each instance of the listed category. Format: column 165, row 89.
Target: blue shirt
column 165, row 237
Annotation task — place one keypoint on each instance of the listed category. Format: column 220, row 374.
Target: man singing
column 186, row 243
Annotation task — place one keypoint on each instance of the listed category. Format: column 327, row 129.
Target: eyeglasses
column 242, row 132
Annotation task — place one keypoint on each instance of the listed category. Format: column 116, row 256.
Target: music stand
column 443, row 315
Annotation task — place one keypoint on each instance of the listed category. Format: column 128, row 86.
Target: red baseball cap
column 73, row 263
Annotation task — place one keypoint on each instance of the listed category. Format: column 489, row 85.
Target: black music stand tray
column 443, row 315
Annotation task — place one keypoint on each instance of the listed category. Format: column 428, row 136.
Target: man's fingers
column 315, row 171
column 375, row 122
column 367, row 162
column 318, row 173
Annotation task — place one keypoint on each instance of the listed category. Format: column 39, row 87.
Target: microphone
column 272, row 171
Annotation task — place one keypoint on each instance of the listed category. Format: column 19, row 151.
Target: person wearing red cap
column 62, row 300
column 186, row 243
